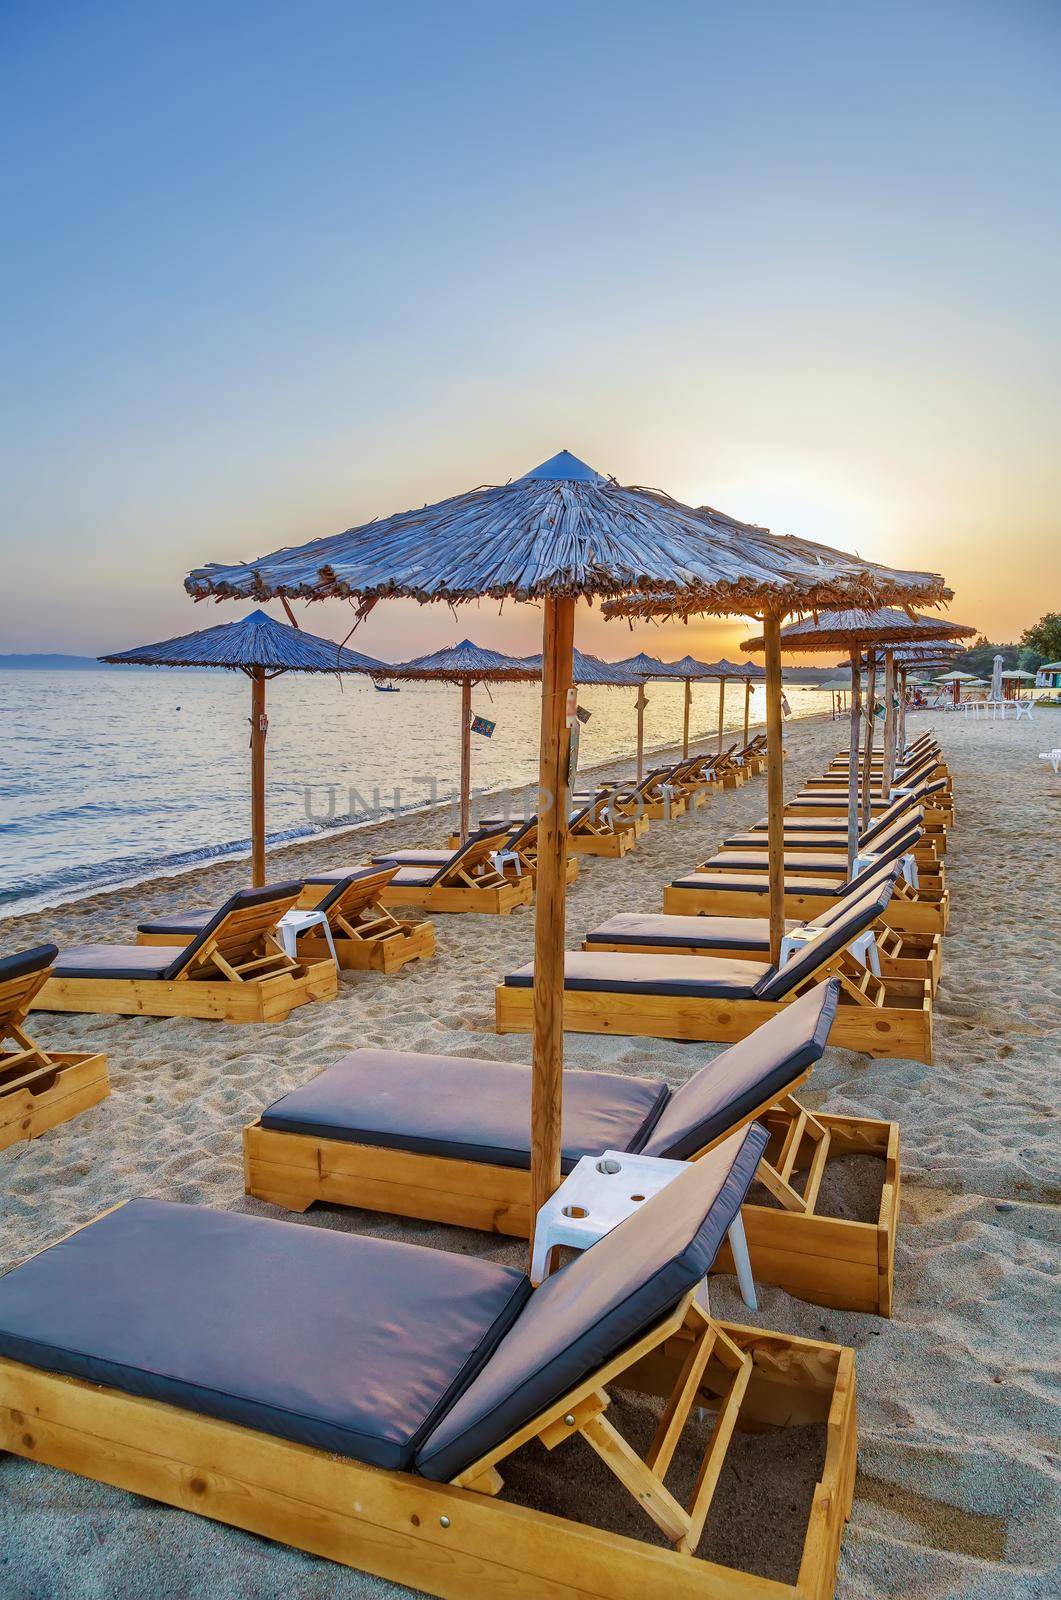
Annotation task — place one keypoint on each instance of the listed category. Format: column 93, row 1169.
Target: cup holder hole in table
column 637, row 1197
column 577, row 1212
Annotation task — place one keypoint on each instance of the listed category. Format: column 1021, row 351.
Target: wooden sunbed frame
column 828, row 1260
column 909, row 955
column 925, row 853
column 472, row 884
column 40, row 1088
column 924, row 910
column 241, row 974
column 874, row 1016
column 600, row 836
column 460, row 1541
column 371, row 939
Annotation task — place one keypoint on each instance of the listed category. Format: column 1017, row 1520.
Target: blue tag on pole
column 484, row 726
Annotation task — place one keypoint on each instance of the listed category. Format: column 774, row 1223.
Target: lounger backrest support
column 476, row 849
column 826, row 943
column 240, row 925
column 20, row 978
column 357, row 890
column 722, row 1095
column 867, row 883
column 602, row 1301
column 889, row 815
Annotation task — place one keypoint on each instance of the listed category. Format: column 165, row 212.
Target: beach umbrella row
column 877, row 632
column 561, row 532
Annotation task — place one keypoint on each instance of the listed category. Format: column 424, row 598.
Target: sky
column 268, row 271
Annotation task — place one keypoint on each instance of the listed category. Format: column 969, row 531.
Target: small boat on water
column 385, row 688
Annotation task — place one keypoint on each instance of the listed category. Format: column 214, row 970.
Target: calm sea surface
column 114, row 777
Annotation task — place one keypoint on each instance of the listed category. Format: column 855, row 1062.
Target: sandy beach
column 959, row 1487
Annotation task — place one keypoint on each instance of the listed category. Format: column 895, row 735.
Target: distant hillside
column 54, row 663
column 809, row 676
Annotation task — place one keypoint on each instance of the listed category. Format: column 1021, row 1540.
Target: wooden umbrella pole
column 642, row 702
column 852, row 772
column 258, row 735
column 721, row 711
column 775, row 784
column 888, row 771
column 558, row 633
column 902, row 711
column 867, row 765
column 747, row 709
column 685, row 723
column 466, row 756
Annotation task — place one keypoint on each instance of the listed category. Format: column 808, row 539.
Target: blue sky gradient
column 270, row 270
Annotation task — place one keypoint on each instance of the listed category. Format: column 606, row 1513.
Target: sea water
column 113, row 777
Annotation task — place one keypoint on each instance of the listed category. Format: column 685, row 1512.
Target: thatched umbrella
column 467, row 664
column 875, row 631
column 641, row 668
column 560, row 532
column 689, row 670
column 929, row 654
column 262, row 648
column 956, row 679
column 1012, row 681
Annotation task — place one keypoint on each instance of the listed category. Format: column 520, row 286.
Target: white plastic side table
column 294, row 922
column 603, row 1191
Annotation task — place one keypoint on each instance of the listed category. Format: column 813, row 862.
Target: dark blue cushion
column 126, row 961
column 816, row 862
column 750, row 1073
column 351, row 1344
column 26, row 962
column 465, row 1109
column 675, row 933
column 598, row 1304
column 755, row 883
column 187, row 923
column 615, row 972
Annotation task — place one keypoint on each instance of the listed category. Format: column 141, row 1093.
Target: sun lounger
column 830, row 833
column 717, row 999
column 924, row 909
column 466, row 879
column 899, row 955
column 596, row 827
column 903, row 836
column 234, row 969
column 446, row 1139
column 516, row 858
column 365, row 935
column 39, row 1088
column 356, row 1397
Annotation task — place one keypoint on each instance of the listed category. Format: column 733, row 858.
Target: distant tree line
column 1037, row 644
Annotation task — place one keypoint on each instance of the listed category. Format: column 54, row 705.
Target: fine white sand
column 958, row 1489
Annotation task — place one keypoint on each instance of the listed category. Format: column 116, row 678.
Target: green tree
column 1045, row 637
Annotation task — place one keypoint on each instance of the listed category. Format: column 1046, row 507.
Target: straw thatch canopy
column 959, row 677
column 258, row 641
column 941, row 650
column 565, row 529
column 467, row 660
column 848, row 629
column 643, row 666
column 589, row 670
column 1015, row 675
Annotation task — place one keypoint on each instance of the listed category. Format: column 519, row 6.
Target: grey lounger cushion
column 744, row 1077
column 352, row 1344
column 117, row 961
column 816, row 862
column 599, row 1303
column 462, row 1108
column 187, row 923
column 164, row 961
column 675, row 932
column 27, row 962
column 615, row 972
column 756, row 883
